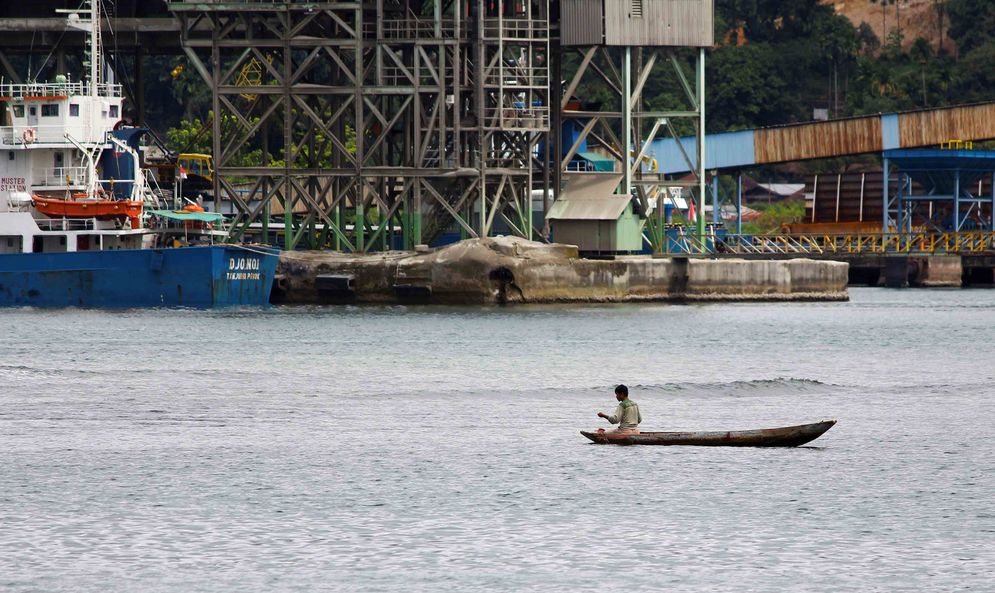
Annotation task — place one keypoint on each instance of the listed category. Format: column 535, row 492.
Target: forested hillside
column 778, row 60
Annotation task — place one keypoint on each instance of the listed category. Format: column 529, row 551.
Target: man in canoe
column 626, row 415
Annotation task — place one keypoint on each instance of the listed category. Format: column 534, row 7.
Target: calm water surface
column 413, row 449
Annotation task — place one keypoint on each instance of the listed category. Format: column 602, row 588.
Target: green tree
column 746, row 89
column 838, row 44
column 972, row 23
column 867, row 40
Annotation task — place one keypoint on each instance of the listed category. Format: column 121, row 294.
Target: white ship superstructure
column 53, row 196
column 53, row 132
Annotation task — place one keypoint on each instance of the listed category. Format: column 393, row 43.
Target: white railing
column 57, row 89
column 24, row 135
column 59, row 177
column 66, row 224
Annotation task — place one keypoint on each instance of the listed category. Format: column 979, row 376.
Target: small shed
column 590, row 216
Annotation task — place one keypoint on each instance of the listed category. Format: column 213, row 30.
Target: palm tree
column 940, row 7
column 884, row 16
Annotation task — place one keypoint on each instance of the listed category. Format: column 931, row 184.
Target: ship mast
column 90, row 24
column 95, row 66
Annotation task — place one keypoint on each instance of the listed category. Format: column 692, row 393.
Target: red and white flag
column 183, row 173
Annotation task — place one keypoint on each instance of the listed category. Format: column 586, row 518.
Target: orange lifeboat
column 82, row 207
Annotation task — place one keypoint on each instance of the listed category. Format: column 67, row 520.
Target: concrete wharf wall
column 925, row 271
column 513, row 270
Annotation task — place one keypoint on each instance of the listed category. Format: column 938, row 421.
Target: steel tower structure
column 374, row 124
column 620, row 45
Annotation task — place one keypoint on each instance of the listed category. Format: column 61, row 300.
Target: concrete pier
column 513, row 270
column 926, row 271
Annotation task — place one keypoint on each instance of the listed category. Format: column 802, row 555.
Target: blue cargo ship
column 202, row 276
column 75, row 207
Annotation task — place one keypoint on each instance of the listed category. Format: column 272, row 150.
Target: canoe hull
column 788, row 436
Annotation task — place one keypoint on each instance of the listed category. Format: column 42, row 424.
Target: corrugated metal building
column 648, row 23
column 589, row 216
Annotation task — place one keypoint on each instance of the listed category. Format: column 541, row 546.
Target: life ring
column 29, row 135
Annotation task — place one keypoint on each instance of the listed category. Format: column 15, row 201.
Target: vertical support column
column 899, row 207
column 909, row 205
column 527, row 197
column 700, row 88
column 383, row 219
column 957, row 201
column 715, row 199
column 265, row 221
column 626, row 147
column 264, row 187
column 337, row 219
column 216, row 124
column 478, row 82
column 739, row 204
column 416, row 216
column 991, row 220
column 556, row 134
column 359, row 226
column 288, row 138
column 547, row 156
column 885, row 174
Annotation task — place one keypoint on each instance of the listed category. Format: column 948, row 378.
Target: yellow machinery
column 196, row 174
column 200, row 165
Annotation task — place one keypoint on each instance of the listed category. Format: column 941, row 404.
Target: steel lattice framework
column 368, row 125
column 623, row 121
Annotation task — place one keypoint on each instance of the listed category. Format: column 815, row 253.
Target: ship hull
column 200, row 277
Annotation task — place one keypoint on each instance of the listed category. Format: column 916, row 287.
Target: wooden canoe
column 789, row 436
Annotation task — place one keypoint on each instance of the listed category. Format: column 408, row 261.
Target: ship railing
column 66, row 224
column 26, row 135
column 53, row 90
column 59, row 177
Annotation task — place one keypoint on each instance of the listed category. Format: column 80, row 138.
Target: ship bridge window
column 114, row 110
column 73, row 110
column 50, row 110
column 18, row 110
